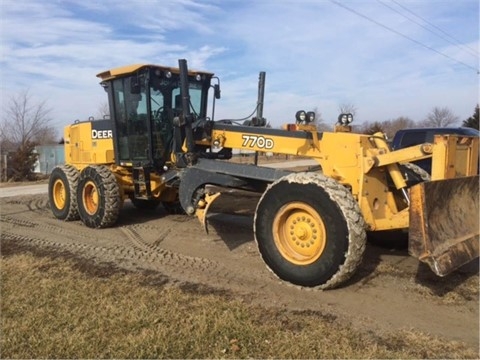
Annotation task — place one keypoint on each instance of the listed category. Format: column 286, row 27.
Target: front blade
column 444, row 223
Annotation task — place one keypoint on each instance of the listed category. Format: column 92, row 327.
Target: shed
column 49, row 156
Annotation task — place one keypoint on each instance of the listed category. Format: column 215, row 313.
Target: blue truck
column 410, row 137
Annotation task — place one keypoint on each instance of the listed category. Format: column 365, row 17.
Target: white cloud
column 316, row 54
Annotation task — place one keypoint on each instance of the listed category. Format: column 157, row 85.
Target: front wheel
column 62, row 188
column 98, row 197
column 309, row 230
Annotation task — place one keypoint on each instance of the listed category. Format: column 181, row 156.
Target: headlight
column 310, row 116
column 345, row 119
column 300, row 116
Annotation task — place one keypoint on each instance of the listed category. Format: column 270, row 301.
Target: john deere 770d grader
column 159, row 146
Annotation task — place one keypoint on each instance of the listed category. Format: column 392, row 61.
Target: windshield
column 165, row 93
column 144, row 112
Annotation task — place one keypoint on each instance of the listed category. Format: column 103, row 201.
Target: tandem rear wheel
column 62, row 189
column 98, row 197
column 309, row 230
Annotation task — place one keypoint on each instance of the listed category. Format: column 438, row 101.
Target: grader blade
column 444, row 223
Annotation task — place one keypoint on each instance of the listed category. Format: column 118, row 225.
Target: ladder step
column 144, row 185
column 142, row 197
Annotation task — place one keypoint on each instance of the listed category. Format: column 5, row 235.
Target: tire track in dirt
column 384, row 295
column 139, row 256
column 140, row 252
column 134, row 253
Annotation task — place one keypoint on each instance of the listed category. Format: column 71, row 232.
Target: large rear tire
column 62, row 192
column 309, row 230
column 98, row 197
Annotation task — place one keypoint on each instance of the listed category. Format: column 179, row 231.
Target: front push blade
column 444, row 223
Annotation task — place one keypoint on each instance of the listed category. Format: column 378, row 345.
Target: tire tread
column 352, row 215
column 105, row 179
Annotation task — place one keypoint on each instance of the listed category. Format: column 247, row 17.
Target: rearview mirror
column 216, row 89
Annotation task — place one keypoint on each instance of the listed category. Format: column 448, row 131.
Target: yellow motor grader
column 160, row 146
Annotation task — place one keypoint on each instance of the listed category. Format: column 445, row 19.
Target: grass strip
column 52, row 309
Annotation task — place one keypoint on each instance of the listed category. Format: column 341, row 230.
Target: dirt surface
column 390, row 291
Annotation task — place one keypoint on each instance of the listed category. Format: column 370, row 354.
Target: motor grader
column 160, row 146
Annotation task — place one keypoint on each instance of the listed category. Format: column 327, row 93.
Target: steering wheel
column 157, row 114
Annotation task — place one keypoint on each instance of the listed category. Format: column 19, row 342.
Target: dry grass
column 52, row 309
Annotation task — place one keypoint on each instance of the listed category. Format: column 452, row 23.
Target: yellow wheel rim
column 59, row 194
column 299, row 233
column 90, row 197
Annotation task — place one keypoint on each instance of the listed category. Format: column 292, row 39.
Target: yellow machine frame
column 361, row 167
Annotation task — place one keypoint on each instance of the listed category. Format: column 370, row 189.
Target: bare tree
column 392, row 126
column 371, row 128
column 440, row 117
column 47, row 136
column 319, row 122
column 24, row 124
column 347, row 108
column 103, row 110
column 388, row 127
column 25, row 121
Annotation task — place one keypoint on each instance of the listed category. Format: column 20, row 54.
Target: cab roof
column 128, row 69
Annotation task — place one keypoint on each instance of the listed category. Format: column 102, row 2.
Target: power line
column 456, row 43
column 436, row 27
column 403, row 35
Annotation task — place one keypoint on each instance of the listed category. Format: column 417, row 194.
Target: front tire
column 62, row 192
column 98, row 197
column 414, row 174
column 309, row 230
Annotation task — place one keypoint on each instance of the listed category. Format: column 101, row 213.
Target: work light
column 310, row 116
column 300, row 116
column 345, row 119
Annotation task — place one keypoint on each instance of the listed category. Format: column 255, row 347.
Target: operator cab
column 146, row 109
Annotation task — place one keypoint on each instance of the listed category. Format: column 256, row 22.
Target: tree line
column 437, row 117
column 26, row 123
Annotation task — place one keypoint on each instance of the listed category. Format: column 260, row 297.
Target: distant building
column 49, row 156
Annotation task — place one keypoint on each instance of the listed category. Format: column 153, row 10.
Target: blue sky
column 316, row 53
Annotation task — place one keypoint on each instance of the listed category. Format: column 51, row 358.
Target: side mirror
column 216, row 89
